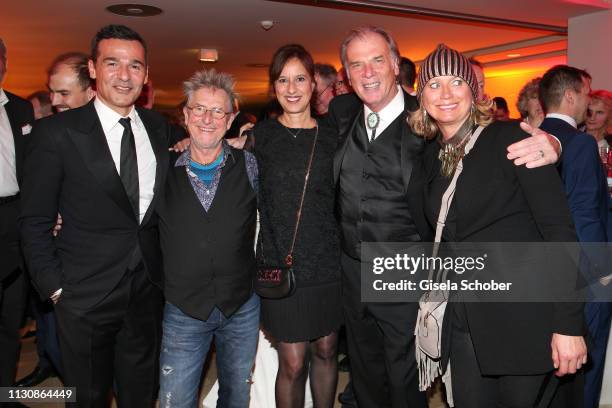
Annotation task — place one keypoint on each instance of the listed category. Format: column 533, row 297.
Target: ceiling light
column 266, row 24
column 515, row 55
column 134, row 10
column 209, row 55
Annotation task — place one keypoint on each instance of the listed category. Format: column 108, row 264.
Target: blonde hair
column 424, row 125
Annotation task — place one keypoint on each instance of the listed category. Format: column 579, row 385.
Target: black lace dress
column 314, row 310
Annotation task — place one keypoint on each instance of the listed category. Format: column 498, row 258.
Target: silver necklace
column 295, row 135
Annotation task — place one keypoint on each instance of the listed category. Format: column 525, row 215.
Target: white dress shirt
column 386, row 115
column 147, row 163
column 8, row 169
column 564, row 118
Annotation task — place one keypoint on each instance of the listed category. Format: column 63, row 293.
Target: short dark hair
column 118, row 32
column 44, row 100
column 78, row 62
column 500, row 103
column 556, row 81
column 284, row 54
column 407, row 74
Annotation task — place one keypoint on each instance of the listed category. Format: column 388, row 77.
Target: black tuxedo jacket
column 21, row 118
column 69, row 169
column 344, row 113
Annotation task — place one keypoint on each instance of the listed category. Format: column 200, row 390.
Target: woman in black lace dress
column 305, row 324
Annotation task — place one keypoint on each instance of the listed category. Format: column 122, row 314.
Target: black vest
column 208, row 256
column 373, row 205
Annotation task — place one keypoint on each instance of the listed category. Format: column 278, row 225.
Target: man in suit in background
column 70, row 86
column 564, row 92
column 100, row 166
column 16, row 120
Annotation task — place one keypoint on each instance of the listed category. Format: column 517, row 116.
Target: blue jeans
column 185, row 344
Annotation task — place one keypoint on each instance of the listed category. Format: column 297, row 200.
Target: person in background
column 529, row 105
column 500, row 109
column 41, row 102
column 478, row 68
column 69, row 83
column 147, row 96
column 16, row 121
column 342, row 85
column 564, row 92
column 407, row 75
column 325, row 78
column 70, row 87
column 599, row 117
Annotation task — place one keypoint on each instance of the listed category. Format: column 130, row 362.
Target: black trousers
column 380, row 339
column 471, row 389
column 115, row 345
column 13, row 292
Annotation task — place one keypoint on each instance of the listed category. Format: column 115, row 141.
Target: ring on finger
column 541, row 154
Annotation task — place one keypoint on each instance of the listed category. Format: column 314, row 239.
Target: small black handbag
column 276, row 282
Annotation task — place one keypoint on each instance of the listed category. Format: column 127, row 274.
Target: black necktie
column 129, row 166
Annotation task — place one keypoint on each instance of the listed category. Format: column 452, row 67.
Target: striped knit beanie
column 446, row 61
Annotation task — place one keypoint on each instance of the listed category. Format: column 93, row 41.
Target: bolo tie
column 372, row 121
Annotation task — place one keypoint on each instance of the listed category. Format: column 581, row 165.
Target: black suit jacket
column 70, row 170
column 345, row 111
column 21, row 118
column 496, row 201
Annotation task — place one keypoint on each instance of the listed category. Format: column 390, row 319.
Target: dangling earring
column 424, row 116
column 473, row 108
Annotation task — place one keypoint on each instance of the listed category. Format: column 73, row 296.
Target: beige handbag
column 428, row 330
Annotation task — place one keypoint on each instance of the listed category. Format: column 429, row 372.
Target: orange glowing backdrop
column 35, row 32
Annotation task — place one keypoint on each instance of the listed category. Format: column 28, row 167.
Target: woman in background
column 599, row 117
column 528, row 103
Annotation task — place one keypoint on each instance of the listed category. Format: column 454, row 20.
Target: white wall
column 590, row 46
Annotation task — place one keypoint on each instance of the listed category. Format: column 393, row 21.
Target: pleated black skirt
column 311, row 312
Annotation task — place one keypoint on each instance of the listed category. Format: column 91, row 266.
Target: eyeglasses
column 198, row 111
column 326, row 88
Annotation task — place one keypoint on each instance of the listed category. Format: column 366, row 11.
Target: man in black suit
column 377, row 170
column 100, row 166
column 16, row 120
column 69, row 87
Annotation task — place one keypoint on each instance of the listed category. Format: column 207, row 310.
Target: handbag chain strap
column 298, row 216
column 447, row 198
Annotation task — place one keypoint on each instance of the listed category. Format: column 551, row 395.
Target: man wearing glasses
column 207, row 216
column 325, row 77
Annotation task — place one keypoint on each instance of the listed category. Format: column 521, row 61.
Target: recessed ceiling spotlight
column 208, row 55
column 266, row 24
column 515, row 55
column 134, row 10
